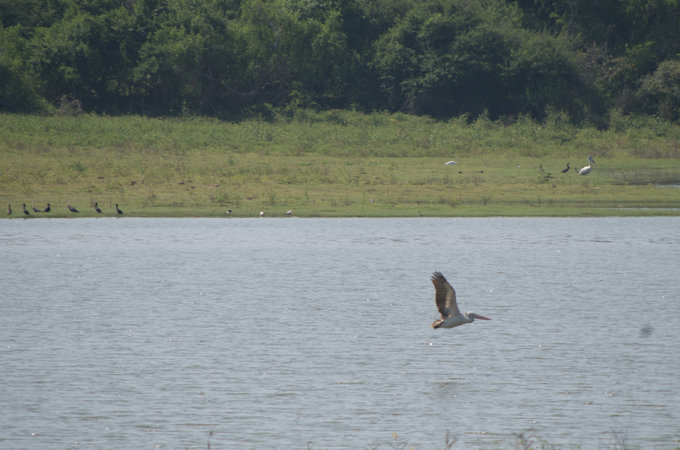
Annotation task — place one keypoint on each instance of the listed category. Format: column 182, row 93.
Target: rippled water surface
column 288, row 333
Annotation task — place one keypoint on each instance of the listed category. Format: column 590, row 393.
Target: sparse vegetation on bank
column 337, row 163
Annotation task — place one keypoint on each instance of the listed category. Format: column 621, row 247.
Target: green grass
column 337, row 163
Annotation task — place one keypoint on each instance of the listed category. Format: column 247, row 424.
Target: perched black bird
column 567, row 169
column 96, row 208
column 9, row 209
column 71, row 208
column 48, row 208
column 26, row 211
column 118, row 209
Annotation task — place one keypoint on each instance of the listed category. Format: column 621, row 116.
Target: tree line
column 443, row 58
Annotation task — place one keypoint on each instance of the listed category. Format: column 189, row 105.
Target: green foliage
column 190, row 62
column 445, row 58
column 17, row 85
column 660, row 91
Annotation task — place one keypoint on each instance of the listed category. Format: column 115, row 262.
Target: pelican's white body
column 457, row 320
column 584, row 170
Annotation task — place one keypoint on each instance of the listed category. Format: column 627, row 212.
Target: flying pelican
column 48, row 208
column 567, row 169
column 9, row 209
column 36, row 210
column 445, row 298
column 71, row 208
column 118, row 210
column 449, row 163
column 97, row 208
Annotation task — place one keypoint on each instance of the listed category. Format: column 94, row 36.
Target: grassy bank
column 337, row 164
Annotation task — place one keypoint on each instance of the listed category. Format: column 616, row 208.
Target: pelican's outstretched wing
column 445, row 296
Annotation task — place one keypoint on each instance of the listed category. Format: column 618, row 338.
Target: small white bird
column 450, row 163
column 289, row 212
column 261, row 213
column 445, row 297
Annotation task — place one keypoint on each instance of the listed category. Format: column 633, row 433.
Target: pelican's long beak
column 477, row 316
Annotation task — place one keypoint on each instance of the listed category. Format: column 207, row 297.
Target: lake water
column 296, row 333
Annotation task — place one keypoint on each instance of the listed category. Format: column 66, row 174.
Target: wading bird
column 289, row 212
column 567, row 169
column 586, row 170
column 25, row 210
column 71, row 208
column 449, row 163
column 9, row 209
column 445, row 298
column 48, row 208
column 97, row 208
column 118, row 210
column 36, row 210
